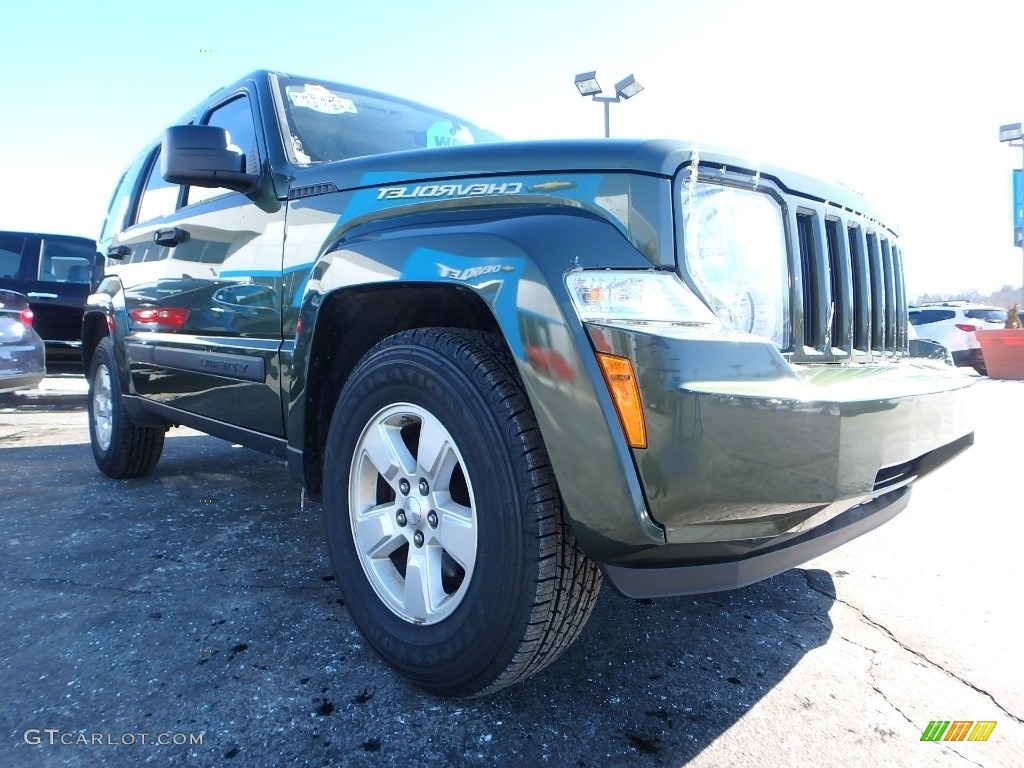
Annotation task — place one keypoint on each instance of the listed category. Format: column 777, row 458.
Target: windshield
column 324, row 122
column 988, row 315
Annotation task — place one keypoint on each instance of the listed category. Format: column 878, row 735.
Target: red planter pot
column 1003, row 350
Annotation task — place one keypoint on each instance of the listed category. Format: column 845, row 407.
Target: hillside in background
column 1005, row 297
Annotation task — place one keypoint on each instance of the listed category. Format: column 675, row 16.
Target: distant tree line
column 1005, row 297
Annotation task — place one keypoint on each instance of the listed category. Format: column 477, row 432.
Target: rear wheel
column 121, row 449
column 444, row 519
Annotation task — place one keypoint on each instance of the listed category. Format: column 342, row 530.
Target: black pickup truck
column 510, row 370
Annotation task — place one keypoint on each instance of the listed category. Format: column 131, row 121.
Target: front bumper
column 22, row 366
column 10, row 382
column 672, row 581
column 750, row 458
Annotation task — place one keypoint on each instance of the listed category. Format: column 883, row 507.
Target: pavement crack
column 886, row 631
column 877, row 689
column 964, row 757
column 874, row 680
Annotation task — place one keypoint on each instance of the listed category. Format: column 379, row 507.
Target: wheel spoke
column 435, row 455
column 456, row 533
column 384, row 448
column 422, row 583
column 376, row 532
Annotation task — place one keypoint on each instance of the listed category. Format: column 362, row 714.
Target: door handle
column 119, row 252
column 171, row 237
column 37, row 295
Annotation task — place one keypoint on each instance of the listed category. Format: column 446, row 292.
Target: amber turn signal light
column 621, row 381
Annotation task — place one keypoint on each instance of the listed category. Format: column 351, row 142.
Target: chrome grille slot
column 810, row 266
column 889, row 279
column 861, row 290
column 901, row 299
column 877, row 293
column 839, row 328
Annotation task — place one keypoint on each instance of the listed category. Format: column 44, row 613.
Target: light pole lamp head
column 1010, row 132
column 627, row 87
column 586, row 83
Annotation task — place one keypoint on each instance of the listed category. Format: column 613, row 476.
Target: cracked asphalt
column 200, row 603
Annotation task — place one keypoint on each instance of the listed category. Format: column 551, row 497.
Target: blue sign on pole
column 1018, row 206
column 1018, row 200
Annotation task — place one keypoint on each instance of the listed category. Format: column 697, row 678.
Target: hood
column 662, row 158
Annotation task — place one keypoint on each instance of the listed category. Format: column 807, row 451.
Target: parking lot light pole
column 1013, row 135
column 627, row 88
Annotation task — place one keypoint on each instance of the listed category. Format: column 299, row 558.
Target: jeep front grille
column 850, row 300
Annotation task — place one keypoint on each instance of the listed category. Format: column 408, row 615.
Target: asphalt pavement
column 191, row 618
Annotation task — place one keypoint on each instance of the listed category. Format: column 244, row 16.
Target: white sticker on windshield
column 447, row 134
column 319, row 99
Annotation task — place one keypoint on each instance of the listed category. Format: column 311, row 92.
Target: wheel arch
column 105, row 315
column 428, row 273
column 348, row 323
column 95, row 328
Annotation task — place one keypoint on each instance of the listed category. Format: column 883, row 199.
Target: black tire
column 528, row 589
column 121, row 449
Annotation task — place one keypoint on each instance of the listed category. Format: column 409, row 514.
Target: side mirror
column 198, row 155
column 97, row 269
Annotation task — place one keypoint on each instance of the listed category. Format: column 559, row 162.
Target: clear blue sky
column 899, row 100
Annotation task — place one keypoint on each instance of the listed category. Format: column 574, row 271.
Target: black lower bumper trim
column 673, row 581
column 965, row 357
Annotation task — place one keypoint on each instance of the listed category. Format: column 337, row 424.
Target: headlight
column 635, row 297
column 735, row 249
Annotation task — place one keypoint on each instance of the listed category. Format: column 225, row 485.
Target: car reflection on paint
column 22, row 353
column 202, row 306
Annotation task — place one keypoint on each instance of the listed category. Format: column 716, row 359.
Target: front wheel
column 443, row 517
column 121, row 449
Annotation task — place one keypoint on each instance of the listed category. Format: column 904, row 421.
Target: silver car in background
column 22, row 353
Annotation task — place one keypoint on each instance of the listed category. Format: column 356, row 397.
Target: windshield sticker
column 319, row 99
column 447, row 134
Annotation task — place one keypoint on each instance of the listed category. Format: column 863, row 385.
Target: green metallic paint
column 743, row 445
column 577, row 419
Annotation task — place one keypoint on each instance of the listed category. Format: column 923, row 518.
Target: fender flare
column 520, row 280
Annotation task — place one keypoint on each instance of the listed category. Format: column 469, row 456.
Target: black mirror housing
column 198, row 155
column 98, row 267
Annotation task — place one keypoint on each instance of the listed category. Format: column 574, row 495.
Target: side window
column 926, row 316
column 66, row 262
column 117, row 211
column 11, row 249
column 236, row 118
column 159, row 198
column 988, row 315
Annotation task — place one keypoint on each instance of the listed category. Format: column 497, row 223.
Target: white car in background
column 953, row 323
